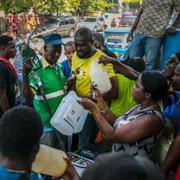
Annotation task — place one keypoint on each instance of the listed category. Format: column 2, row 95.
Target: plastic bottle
column 49, row 161
column 99, row 77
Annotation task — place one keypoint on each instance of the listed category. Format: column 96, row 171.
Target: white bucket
column 99, row 77
column 70, row 116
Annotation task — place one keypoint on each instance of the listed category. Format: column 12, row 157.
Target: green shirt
column 53, row 81
column 124, row 100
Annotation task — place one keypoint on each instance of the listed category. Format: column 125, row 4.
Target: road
column 39, row 43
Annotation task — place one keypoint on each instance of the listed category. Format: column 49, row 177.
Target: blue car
column 115, row 40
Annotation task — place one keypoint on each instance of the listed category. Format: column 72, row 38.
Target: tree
column 79, row 7
column 55, row 6
column 15, row 6
column 48, row 6
column 132, row 4
column 132, row 1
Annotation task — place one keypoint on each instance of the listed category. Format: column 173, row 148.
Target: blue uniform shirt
column 172, row 111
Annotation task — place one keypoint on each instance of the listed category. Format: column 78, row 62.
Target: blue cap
column 53, row 39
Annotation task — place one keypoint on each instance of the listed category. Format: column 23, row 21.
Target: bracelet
column 104, row 111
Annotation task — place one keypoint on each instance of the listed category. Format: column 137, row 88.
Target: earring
column 147, row 95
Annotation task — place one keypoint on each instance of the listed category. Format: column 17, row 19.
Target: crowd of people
column 22, row 24
column 141, row 108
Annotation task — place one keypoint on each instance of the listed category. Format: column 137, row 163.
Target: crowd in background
column 21, row 24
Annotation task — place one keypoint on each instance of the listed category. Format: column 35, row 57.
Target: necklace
column 16, row 171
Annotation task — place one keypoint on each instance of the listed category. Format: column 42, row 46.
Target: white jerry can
column 99, row 77
column 70, row 116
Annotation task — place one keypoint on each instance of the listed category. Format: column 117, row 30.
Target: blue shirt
column 10, row 175
column 66, row 68
column 172, row 111
column 18, row 63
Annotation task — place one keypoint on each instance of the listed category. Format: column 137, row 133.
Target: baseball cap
column 53, row 39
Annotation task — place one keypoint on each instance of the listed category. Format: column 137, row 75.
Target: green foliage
column 48, row 6
column 55, row 6
column 15, row 6
column 132, row 1
column 82, row 6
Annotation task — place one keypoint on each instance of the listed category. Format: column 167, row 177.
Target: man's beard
column 81, row 55
column 84, row 55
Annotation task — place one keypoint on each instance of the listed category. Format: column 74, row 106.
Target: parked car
column 128, row 20
column 115, row 40
column 92, row 23
column 66, row 26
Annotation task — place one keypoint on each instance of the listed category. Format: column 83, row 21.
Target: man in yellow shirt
column 82, row 59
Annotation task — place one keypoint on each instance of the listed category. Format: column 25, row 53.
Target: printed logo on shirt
column 80, row 74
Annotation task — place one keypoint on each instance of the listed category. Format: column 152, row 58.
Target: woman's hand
column 88, row 104
column 106, row 59
column 99, row 98
column 70, row 83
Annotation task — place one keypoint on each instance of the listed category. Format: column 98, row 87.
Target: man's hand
column 171, row 30
column 130, row 36
column 27, row 92
column 27, row 67
column 70, row 173
column 70, row 83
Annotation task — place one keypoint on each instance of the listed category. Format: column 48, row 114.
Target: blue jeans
column 148, row 46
